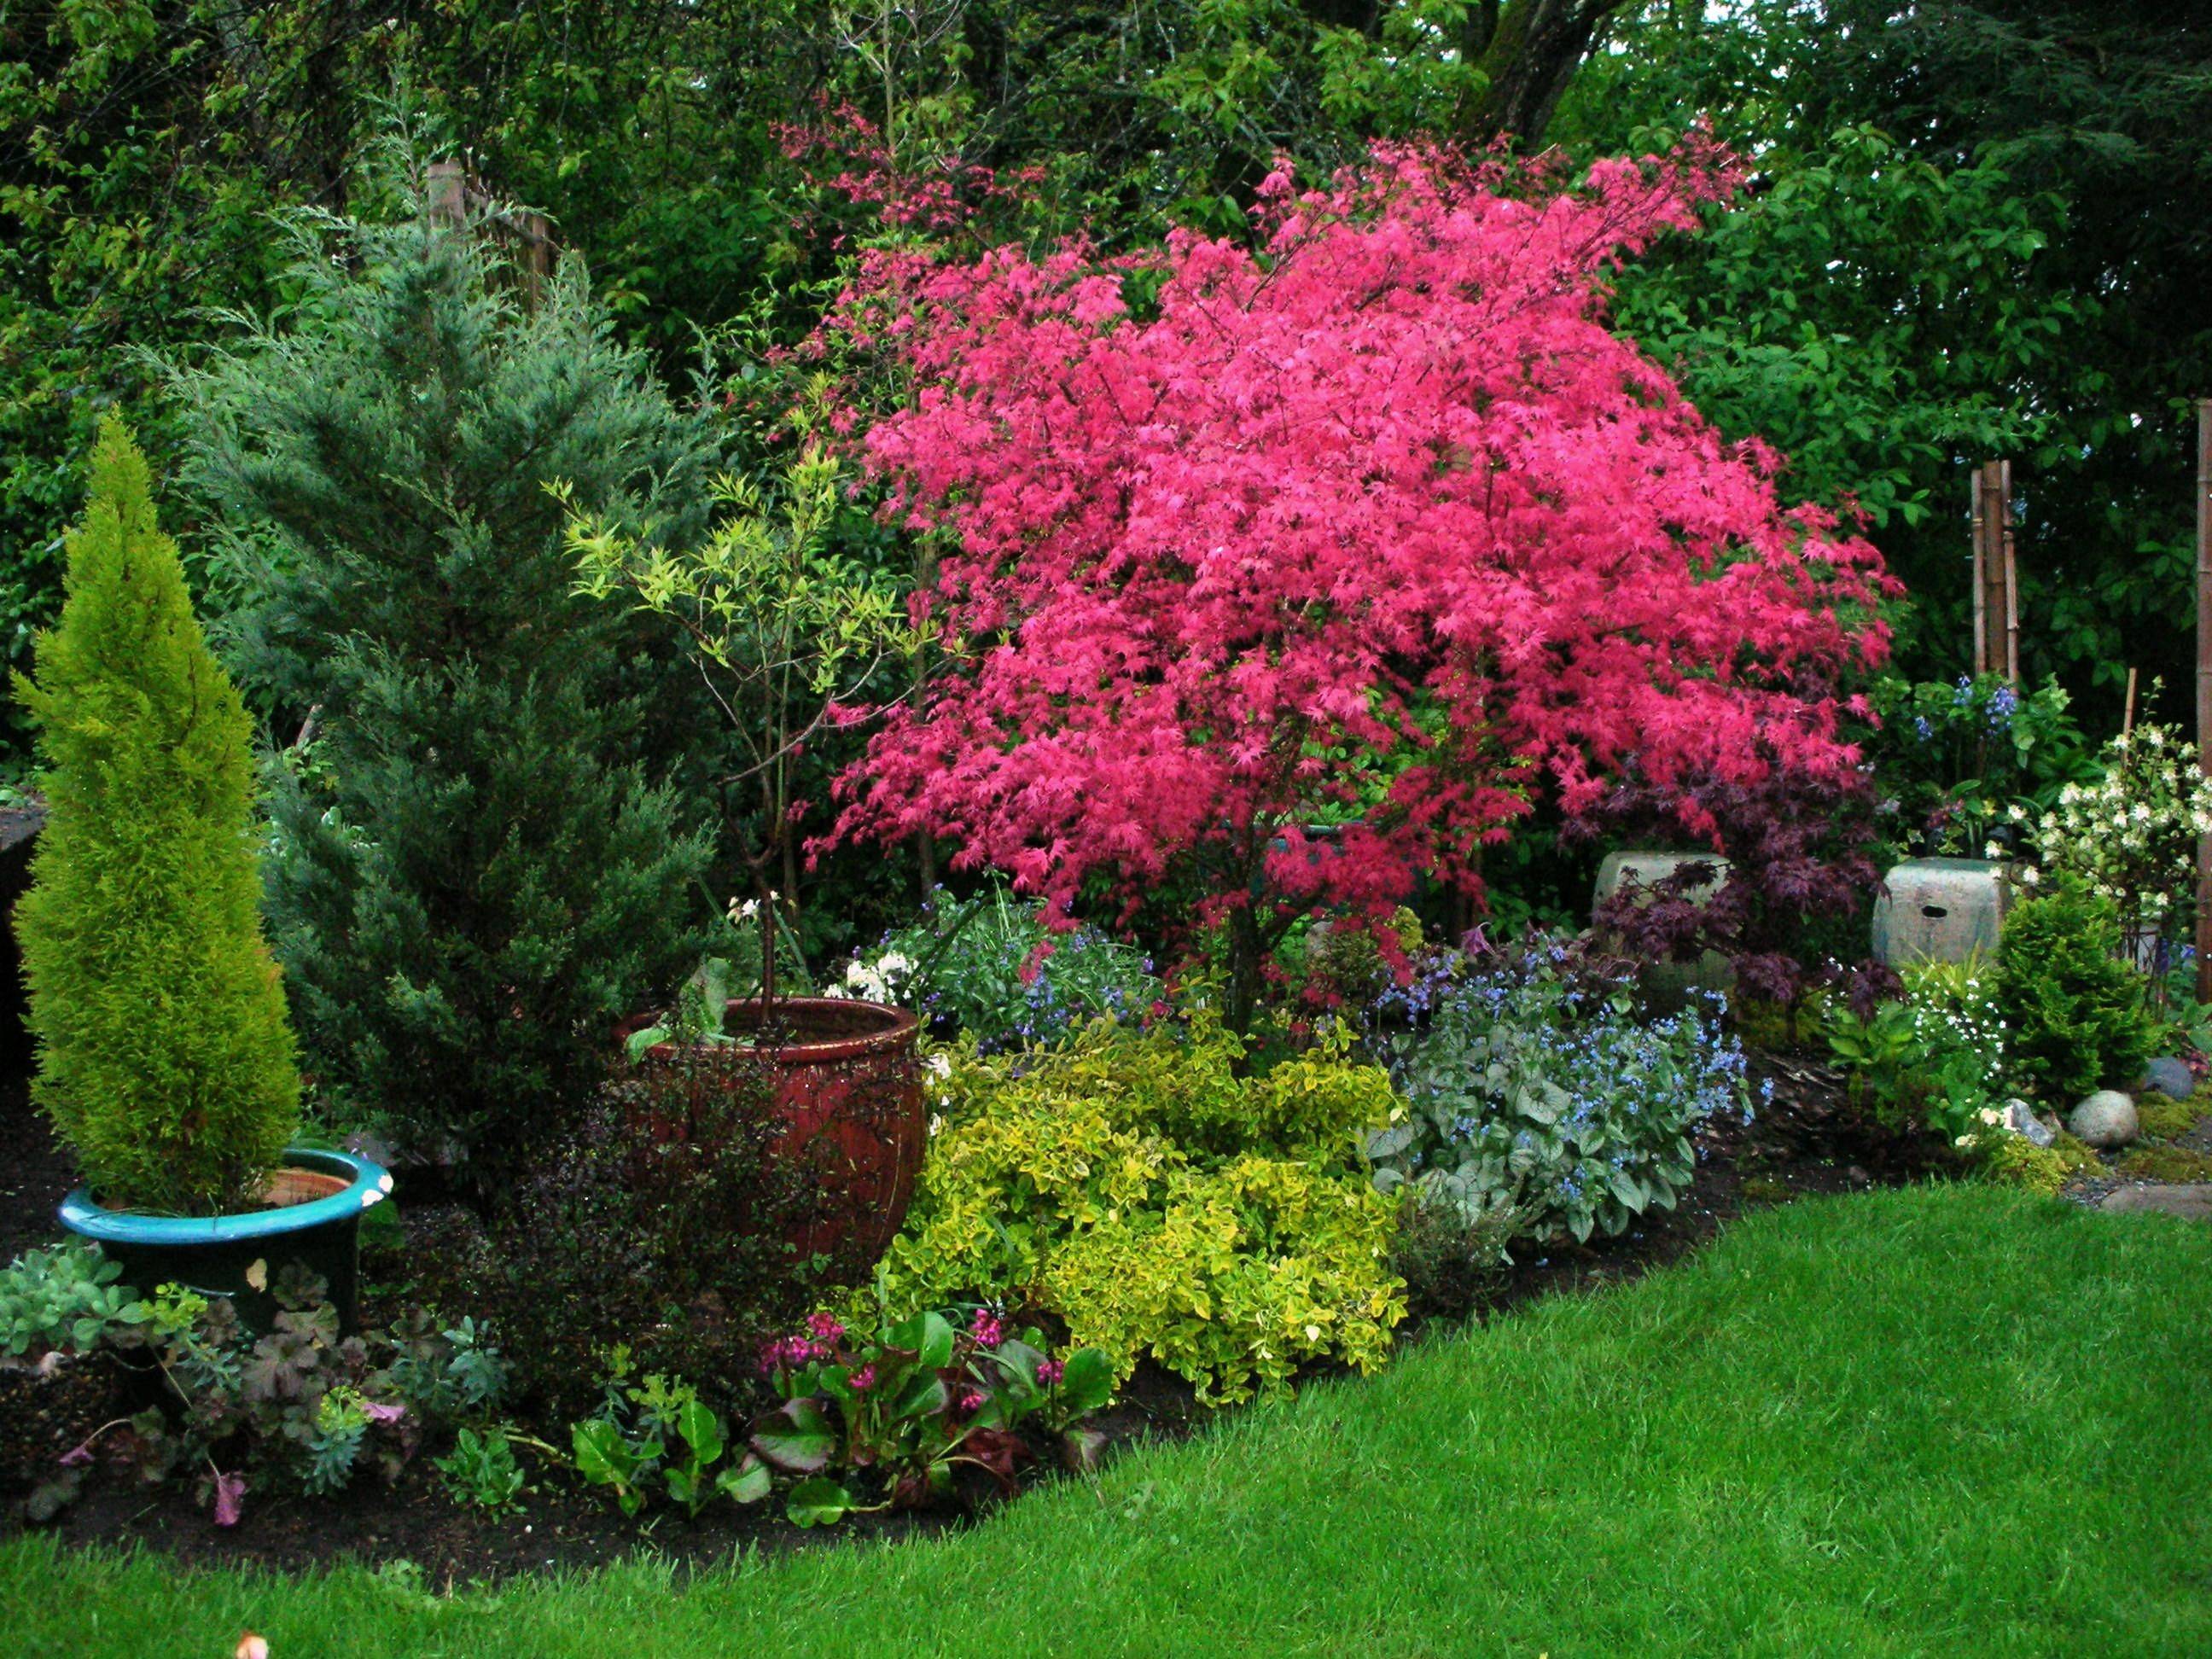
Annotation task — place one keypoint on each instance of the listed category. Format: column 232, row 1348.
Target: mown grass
column 1947, row 1421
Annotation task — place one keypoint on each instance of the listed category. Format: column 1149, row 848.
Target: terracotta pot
column 847, row 1085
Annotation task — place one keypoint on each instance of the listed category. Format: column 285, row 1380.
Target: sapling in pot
column 789, row 634
column 790, row 637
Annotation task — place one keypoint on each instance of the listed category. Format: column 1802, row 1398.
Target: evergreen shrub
column 165, row 1058
column 2073, row 1011
column 481, row 863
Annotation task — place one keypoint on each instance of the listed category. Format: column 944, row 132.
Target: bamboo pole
column 1981, row 580
column 2205, row 687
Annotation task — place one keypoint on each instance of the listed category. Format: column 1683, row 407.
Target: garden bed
column 1804, row 1143
column 1741, row 1453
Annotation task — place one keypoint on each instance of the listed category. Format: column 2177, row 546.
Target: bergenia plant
column 656, row 1436
column 1367, row 520
column 900, row 1410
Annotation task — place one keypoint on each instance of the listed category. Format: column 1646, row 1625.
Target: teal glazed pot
column 312, row 1218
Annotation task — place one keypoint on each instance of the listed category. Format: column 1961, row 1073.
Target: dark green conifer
column 480, row 866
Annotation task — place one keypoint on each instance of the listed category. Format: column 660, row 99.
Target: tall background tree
column 1975, row 225
column 2045, row 199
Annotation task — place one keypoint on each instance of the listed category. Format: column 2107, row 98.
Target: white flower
column 892, row 962
column 936, row 1123
column 745, row 911
column 939, row 1065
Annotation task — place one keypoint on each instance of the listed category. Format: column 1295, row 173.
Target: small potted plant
column 165, row 1058
column 788, row 634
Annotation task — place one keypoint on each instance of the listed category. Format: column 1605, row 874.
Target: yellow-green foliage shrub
column 165, row 1056
column 1158, row 1203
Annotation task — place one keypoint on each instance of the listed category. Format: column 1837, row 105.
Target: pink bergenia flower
column 988, row 1329
column 864, row 1379
column 971, row 1402
column 826, row 1328
column 788, row 1354
column 1050, row 1371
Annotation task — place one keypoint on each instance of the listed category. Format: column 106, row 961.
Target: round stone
column 2107, row 1119
column 2171, row 1077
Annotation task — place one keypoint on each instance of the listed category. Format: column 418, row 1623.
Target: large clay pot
column 847, row 1082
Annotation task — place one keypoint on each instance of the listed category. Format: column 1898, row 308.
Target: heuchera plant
column 301, row 1405
column 1367, row 520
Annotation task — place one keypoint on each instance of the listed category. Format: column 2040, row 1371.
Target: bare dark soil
column 1805, row 1142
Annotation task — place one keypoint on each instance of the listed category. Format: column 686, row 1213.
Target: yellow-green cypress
column 165, row 1056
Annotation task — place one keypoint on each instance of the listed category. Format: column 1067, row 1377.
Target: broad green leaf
column 796, row 1437
column 1088, row 1383
column 817, row 1502
column 701, row 1430
column 747, row 1483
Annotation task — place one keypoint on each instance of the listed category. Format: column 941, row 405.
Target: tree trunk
column 1245, row 950
column 1528, row 49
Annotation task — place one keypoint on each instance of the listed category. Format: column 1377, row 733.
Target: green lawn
column 1942, row 1422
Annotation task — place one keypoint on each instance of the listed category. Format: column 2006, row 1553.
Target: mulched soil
column 1807, row 1141
column 35, row 1172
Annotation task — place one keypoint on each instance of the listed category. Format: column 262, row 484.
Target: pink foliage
column 1375, row 520
column 229, row 1499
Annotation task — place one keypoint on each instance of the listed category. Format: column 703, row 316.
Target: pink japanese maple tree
column 1366, row 520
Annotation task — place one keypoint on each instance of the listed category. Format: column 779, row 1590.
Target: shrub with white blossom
column 2130, row 837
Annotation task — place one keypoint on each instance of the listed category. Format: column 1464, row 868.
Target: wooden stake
column 449, row 195
column 2009, row 571
column 1996, row 606
column 534, row 258
column 2128, row 720
column 2205, row 687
